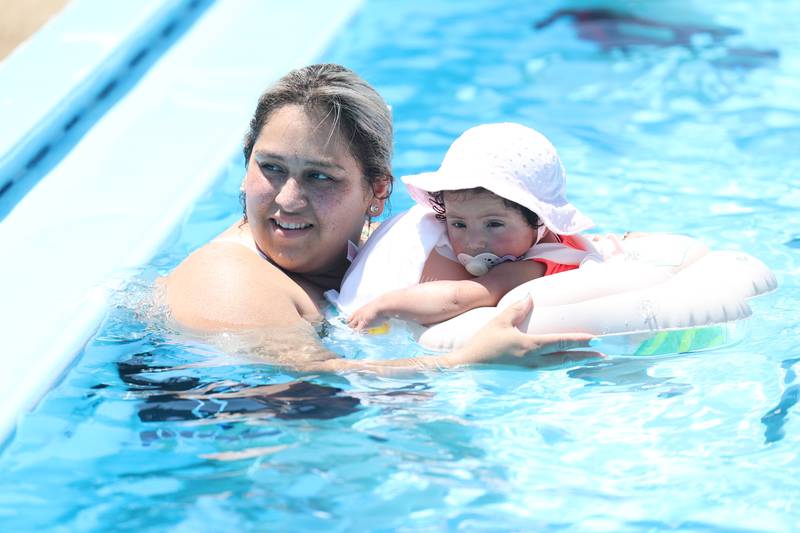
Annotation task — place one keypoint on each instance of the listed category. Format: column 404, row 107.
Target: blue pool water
column 659, row 131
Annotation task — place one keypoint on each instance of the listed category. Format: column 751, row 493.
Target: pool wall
column 109, row 203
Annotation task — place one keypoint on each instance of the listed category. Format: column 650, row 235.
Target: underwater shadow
column 777, row 417
column 182, row 398
column 627, row 374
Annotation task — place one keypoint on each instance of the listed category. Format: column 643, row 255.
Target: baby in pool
column 501, row 191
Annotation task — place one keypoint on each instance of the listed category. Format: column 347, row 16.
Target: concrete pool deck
column 21, row 19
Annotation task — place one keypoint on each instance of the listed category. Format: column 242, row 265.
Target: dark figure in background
column 616, row 30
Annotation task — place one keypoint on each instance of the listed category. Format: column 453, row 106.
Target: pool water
column 690, row 126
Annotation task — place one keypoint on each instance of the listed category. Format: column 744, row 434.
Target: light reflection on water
column 698, row 138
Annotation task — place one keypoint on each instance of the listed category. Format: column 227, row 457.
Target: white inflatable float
column 659, row 293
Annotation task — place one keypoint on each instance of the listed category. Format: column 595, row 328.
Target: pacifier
column 480, row 264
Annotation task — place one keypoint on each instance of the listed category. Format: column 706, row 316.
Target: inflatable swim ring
column 659, row 293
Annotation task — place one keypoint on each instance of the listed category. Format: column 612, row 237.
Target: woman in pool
column 318, row 158
column 501, row 191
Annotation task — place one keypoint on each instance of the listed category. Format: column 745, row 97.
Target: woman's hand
column 501, row 342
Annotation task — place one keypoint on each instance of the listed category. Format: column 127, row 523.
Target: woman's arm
column 436, row 301
column 219, row 289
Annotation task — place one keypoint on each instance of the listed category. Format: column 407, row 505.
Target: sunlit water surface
column 660, row 130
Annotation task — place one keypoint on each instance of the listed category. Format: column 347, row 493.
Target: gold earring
column 373, row 209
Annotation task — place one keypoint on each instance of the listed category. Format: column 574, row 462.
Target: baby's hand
column 366, row 316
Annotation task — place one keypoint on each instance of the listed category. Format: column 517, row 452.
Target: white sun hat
column 512, row 161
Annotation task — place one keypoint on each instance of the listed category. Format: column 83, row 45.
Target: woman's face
column 306, row 195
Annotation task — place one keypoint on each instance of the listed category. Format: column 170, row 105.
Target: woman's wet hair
column 356, row 110
column 440, row 211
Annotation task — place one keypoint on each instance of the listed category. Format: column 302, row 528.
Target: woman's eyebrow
column 322, row 163
column 262, row 153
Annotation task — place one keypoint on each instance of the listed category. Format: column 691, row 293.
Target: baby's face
column 481, row 222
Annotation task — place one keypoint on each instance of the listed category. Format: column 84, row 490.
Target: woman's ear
column 382, row 188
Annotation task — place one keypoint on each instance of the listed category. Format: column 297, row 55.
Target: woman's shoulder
column 226, row 285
